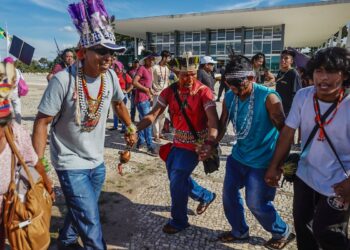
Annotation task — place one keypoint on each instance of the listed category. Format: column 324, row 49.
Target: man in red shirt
column 198, row 102
column 67, row 60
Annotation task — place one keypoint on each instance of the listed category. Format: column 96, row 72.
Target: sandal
column 276, row 244
column 202, row 207
column 228, row 237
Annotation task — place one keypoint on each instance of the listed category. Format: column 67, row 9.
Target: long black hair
column 258, row 56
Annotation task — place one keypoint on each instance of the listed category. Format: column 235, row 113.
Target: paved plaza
column 135, row 206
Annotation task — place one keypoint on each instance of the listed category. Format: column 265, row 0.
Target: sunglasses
column 102, row 51
column 238, row 82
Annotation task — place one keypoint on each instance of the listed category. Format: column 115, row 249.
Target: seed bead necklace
column 247, row 122
column 91, row 108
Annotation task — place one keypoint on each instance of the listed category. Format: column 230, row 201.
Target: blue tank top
column 257, row 148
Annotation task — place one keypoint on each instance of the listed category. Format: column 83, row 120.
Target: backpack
column 22, row 85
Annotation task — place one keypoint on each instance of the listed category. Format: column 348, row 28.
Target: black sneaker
column 152, row 152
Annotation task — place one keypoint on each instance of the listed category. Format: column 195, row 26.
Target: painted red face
column 186, row 79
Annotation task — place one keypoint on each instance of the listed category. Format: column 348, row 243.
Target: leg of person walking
column 81, row 189
column 330, row 225
column 232, row 199
column 303, row 210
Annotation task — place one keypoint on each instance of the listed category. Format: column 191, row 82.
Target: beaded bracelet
column 131, row 129
column 46, row 164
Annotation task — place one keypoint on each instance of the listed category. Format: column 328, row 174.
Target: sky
column 38, row 22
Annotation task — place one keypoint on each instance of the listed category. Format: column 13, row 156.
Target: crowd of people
column 264, row 109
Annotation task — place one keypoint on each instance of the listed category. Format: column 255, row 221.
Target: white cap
column 207, row 59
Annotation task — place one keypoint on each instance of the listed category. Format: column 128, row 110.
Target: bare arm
column 275, row 109
column 284, row 142
column 122, row 112
column 49, row 76
column 40, row 133
column 269, row 77
column 213, row 123
column 150, row 117
column 138, row 85
column 223, row 122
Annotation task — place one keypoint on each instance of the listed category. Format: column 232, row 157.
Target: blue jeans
column 180, row 165
column 82, row 188
column 145, row 135
column 116, row 119
column 259, row 197
column 132, row 106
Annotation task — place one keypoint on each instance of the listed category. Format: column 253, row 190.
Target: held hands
column 47, row 181
column 272, row 176
column 205, row 150
column 130, row 135
column 342, row 189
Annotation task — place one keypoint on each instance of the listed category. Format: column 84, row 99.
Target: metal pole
column 7, row 40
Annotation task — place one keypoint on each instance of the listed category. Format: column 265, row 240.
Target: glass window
column 196, row 49
column 203, row 49
column 182, row 37
column 238, row 47
column 188, row 47
column 188, row 36
column 153, row 38
column 220, row 49
column 275, row 63
column 196, row 36
column 277, row 46
column 248, row 33
column 268, row 62
column 267, row 33
column 159, row 37
column 159, row 48
column 172, row 48
column 212, row 49
column 172, row 37
column 181, row 49
column 203, row 36
column 257, row 46
column 221, row 34
column 166, row 37
column 277, row 32
column 248, row 48
column 230, row 35
column 267, row 47
column 238, row 34
column 257, row 33
column 152, row 47
column 213, row 35
column 166, row 47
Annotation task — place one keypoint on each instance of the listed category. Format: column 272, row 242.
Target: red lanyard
column 318, row 120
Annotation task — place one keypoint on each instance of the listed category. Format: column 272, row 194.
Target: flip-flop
column 202, row 207
column 276, row 244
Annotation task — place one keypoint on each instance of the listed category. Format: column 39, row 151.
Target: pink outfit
column 24, row 145
column 146, row 81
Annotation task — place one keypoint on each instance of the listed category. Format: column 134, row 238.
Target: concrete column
column 177, row 42
column 207, row 41
column 148, row 40
column 347, row 45
column 340, row 33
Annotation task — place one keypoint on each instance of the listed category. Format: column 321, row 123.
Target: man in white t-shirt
column 316, row 198
column 161, row 75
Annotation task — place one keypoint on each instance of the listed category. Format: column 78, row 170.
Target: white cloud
column 67, row 29
column 273, row 2
column 242, row 5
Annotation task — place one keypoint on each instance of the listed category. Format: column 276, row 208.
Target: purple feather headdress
column 93, row 23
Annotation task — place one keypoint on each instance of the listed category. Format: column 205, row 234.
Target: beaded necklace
column 90, row 108
column 162, row 78
column 321, row 123
column 247, row 122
